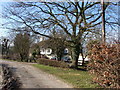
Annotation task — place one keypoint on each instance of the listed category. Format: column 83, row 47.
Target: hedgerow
column 54, row 63
column 105, row 64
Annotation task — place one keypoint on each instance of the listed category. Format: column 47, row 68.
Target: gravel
column 32, row 77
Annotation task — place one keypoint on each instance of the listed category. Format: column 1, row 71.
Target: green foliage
column 35, row 49
column 34, row 54
column 54, row 63
column 105, row 65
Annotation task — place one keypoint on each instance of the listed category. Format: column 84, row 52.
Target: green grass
column 79, row 79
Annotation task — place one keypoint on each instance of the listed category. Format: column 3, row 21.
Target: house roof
column 45, row 44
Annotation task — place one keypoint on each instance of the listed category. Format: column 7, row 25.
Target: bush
column 105, row 64
column 52, row 63
column 12, row 57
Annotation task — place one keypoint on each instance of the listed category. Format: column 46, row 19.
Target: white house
column 80, row 60
column 47, row 51
column 45, row 48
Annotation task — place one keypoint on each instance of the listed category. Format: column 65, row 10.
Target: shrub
column 12, row 57
column 54, row 63
column 105, row 64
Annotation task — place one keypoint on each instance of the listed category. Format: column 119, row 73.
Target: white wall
column 45, row 51
column 80, row 58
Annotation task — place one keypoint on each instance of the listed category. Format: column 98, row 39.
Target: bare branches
column 72, row 17
column 75, row 19
column 91, row 5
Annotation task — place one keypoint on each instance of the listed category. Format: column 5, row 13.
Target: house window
column 66, row 50
column 43, row 50
column 48, row 50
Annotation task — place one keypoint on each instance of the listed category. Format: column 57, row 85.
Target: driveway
column 32, row 77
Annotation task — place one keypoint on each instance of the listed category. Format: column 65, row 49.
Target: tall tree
column 76, row 19
column 5, row 46
column 22, row 45
column 58, row 43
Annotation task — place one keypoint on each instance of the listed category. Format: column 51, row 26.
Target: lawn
column 79, row 79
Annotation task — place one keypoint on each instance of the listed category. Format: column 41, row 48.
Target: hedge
column 105, row 64
column 54, row 63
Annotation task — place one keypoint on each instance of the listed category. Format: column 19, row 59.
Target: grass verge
column 79, row 79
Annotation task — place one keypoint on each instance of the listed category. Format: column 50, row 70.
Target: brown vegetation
column 105, row 65
column 54, row 63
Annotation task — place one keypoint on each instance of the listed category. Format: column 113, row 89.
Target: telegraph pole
column 119, row 21
column 103, row 22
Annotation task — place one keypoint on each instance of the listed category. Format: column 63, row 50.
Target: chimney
column 42, row 38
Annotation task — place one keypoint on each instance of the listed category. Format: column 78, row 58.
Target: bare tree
column 58, row 43
column 5, row 47
column 76, row 19
column 22, row 45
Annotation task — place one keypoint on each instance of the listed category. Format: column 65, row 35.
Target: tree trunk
column 59, row 55
column 21, row 57
column 75, row 55
column 24, row 57
column 82, row 54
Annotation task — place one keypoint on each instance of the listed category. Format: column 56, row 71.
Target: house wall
column 44, row 51
column 80, row 58
column 48, row 52
column 66, row 51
